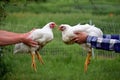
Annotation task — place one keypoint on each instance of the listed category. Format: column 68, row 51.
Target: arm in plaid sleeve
column 112, row 36
column 104, row 43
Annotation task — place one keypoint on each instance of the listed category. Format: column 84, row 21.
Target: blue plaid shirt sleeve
column 105, row 43
column 112, row 36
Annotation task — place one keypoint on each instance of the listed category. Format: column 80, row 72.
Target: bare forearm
column 7, row 33
column 10, row 39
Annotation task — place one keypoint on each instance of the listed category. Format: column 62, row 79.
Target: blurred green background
column 62, row 62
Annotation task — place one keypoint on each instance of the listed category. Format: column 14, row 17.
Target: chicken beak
column 59, row 28
column 56, row 25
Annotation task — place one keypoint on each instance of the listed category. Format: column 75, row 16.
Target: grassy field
column 62, row 62
column 62, row 67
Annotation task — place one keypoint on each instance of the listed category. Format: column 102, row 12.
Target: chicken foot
column 33, row 61
column 39, row 57
column 87, row 62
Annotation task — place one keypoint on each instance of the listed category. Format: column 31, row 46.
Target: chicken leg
column 87, row 62
column 39, row 57
column 33, row 61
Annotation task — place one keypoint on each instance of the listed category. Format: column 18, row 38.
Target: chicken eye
column 62, row 27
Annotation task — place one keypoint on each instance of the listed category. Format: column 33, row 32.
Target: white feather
column 68, row 33
column 42, row 36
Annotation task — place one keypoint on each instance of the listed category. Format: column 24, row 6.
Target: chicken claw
column 87, row 62
column 33, row 62
column 39, row 57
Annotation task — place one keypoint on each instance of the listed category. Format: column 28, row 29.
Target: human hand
column 28, row 41
column 80, row 37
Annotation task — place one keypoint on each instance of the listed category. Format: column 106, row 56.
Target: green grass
column 69, row 6
column 62, row 67
column 31, row 20
column 62, row 62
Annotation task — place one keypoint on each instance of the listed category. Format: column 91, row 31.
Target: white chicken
column 42, row 36
column 68, row 35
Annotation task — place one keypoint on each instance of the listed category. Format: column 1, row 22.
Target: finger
column 33, row 42
column 74, row 38
column 30, row 42
column 76, row 41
